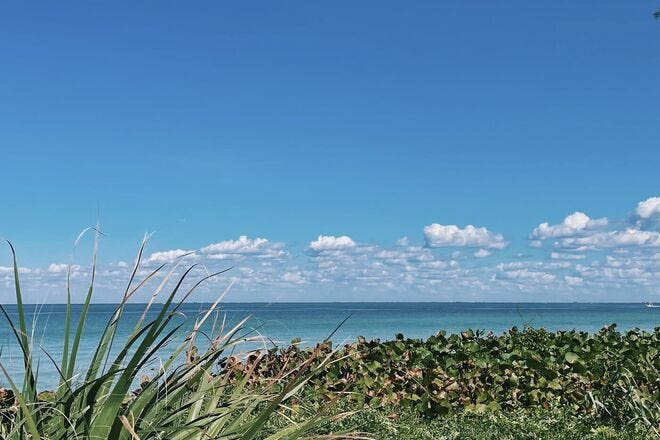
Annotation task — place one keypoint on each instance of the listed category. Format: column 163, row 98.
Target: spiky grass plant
column 189, row 397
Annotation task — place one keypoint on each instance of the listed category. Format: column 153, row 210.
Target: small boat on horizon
column 650, row 305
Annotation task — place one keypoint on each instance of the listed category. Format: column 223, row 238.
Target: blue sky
column 369, row 121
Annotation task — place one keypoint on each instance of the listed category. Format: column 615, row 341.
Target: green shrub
column 609, row 374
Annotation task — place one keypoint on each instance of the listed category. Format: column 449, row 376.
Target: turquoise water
column 312, row 322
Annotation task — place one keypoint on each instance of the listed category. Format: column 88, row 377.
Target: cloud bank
column 579, row 258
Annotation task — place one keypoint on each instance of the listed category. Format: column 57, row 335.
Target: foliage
column 391, row 422
column 609, row 374
column 190, row 397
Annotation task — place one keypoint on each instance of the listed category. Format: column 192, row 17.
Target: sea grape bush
column 608, row 373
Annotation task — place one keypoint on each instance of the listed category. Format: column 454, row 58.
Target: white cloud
column 580, row 233
column 404, row 255
column 57, row 267
column 573, row 281
column 62, row 268
column 164, row 256
column 574, row 224
column 330, row 242
column 403, row 241
column 294, row 277
column 481, row 253
column 534, row 265
column 438, row 235
column 627, row 273
column 526, row 274
column 566, row 256
column 244, row 246
column 611, row 239
column 437, row 265
column 648, row 207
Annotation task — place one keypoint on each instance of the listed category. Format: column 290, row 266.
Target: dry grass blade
column 129, row 427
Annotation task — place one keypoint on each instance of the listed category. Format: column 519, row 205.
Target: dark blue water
column 312, row 322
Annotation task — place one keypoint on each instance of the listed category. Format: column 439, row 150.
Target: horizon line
column 358, row 302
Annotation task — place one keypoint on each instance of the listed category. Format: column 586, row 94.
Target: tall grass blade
column 85, row 307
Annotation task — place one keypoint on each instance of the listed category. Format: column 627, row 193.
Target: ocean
column 279, row 323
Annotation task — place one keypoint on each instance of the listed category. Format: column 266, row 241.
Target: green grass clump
column 190, row 397
column 391, row 422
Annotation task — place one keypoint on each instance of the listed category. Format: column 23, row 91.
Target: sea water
column 279, row 323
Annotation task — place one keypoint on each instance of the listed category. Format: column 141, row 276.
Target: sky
column 343, row 151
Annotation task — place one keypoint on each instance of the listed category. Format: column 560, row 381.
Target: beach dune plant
column 189, row 397
column 610, row 375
